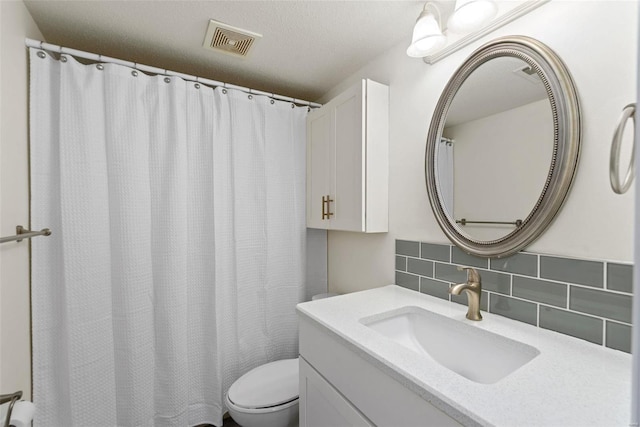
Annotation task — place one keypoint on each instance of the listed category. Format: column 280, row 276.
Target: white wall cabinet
column 348, row 161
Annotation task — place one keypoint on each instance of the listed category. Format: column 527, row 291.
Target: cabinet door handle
column 328, row 200
column 323, row 208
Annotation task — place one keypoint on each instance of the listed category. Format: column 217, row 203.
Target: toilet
column 267, row 396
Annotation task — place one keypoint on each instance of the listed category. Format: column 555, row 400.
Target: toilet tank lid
column 272, row 384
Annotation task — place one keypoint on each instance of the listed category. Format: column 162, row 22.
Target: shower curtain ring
column 41, row 53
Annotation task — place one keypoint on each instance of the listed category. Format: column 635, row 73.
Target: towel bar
column 22, row 233
column 464, row 221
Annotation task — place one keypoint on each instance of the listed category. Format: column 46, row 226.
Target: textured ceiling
column 307, row 46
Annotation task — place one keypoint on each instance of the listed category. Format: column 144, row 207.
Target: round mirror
column 503, row 146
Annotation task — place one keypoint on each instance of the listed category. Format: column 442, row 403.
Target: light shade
column 427, row 36
column 471, row 15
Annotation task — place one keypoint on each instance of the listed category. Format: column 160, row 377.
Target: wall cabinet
column 347, row 161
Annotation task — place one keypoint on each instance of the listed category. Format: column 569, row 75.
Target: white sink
column 474, row 353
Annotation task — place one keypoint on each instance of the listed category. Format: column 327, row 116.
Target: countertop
column 570, row 383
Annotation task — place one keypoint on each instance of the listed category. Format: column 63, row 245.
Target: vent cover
column 230, row 40
column 528, row 73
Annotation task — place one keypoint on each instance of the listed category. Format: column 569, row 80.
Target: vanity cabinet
column 347, row 161
column 340, row 388
column 322, row 405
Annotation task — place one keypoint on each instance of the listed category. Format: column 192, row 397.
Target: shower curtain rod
column 161, row 71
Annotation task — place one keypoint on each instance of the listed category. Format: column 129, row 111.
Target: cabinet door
column 321, row 405
column 320, row 153
column 349, row 201
column 347, row 160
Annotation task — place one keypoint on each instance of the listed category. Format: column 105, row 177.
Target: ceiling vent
column 528, row 73
column 230, row 40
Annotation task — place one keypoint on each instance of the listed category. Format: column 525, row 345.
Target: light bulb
column 471, row 15
column 427, row 36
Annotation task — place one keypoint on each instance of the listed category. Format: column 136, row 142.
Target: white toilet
column 267, row 396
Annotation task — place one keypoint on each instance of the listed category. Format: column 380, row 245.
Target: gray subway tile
column 620, row 277
column 526, row 264
column 601, row 303
column 401, row 263
column 574, row 324
column 515, row 309
column 551, row 293
column 496, row 282
column 408, row 281
column 420, row 266
column 407, row 247
column 618, row 336
column 434, row 288
column 462, row 258
column 462, row 299
column 435, row 252
column 588, row 273
column 449, row 273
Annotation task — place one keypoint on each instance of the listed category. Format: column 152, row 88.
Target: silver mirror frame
column 565, row 108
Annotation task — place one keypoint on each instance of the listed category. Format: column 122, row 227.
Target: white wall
column 594, row 223
column 15, row 351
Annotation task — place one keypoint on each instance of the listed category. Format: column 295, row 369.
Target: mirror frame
column 565, row 109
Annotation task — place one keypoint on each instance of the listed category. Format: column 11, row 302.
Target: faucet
column 473, row 289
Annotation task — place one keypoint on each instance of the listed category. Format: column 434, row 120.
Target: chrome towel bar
column 464, row 221
column 22, row 233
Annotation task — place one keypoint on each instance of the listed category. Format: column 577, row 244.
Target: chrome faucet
column 473, row 289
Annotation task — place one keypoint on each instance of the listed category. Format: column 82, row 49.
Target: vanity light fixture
column 471, row 15
column 427, row 35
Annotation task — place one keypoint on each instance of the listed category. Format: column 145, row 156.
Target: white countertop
column 570, row 383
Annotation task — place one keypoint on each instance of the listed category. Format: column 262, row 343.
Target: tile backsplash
column 586, row 299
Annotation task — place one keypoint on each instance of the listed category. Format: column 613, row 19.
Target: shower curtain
column 178, row 245
column 445, row 173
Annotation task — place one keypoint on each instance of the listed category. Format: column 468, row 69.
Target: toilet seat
column 272, row 385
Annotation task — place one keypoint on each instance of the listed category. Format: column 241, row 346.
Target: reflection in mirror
column 495, row 152
column 503, row 146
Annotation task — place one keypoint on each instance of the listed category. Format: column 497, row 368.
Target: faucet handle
column 472, row 274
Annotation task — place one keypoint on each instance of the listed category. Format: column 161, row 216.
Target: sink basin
column 474, row 353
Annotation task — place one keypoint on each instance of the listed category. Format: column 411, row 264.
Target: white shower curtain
column 178, row 245
column 445, row 173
